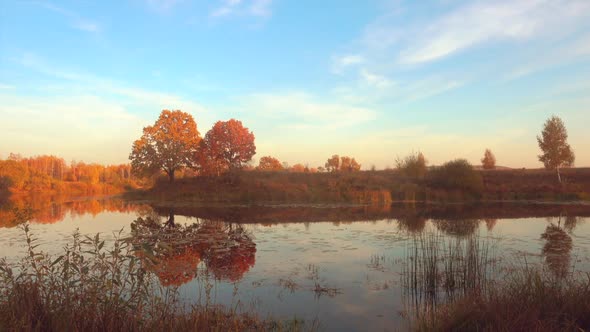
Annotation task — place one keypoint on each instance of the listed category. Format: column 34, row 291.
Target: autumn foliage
column 269, row 163
column 175, row 251
column 169, row 145
column 51, row 174
column 227, row 146
column 344, row 164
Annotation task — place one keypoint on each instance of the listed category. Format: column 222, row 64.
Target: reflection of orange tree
column 173, row 252
column 46, row 209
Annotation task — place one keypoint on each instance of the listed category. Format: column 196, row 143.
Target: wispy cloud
column 95, row 105
column 303, row 111
column 489, row 21
column 342, row 62
column 393, row 51
column 567, row 52
column 258, row 8
column 75, row 20
column 98, row 84
column 375, row 80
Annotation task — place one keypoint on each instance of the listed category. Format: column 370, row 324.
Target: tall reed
column 99, row 286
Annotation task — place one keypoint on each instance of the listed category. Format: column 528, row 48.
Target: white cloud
column 487, row 21
column 425, row 88
column 86, row 127
column 303, row 111
column 81, row 108
column 339, row 63
column 578, row 49
column 258, row 8
column 374, row 80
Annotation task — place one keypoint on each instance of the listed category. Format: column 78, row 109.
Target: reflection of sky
column 342, row 253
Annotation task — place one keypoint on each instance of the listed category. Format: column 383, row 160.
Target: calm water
column 341, row 266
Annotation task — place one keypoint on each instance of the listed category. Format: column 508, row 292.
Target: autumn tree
column 298, row 168
column 269, row 163
column 333, row 164
column 169, row 145
column 227, row 146
column 557, row 152
column 489, row 160
column 348, row 164
column 413, row 165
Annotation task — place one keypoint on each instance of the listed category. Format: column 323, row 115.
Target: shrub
column 413, row 165
column 457, row 175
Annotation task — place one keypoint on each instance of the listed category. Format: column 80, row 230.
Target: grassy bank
column 528, row 300
column 374, row 187
column 461, row 284
column 91, row 288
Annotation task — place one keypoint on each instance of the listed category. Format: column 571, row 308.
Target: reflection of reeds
column 98, row 287
column 439, row 269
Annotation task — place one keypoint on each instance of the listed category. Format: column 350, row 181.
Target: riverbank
column 91, row 288
column 369, row 187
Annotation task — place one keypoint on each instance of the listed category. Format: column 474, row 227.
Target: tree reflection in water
column 173, row 252
column 51, row 209
column 457, row 227
column 558, row 246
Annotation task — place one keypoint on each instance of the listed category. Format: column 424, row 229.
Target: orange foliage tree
column 345, row 164
column 169, row 145
column 348, row 164
column 298, row 168
column 333, row 164
column 269, row 163
column 227, row 146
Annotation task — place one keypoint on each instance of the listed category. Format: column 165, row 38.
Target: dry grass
column 456, row 286
column 529, row 300
column 90, row 288
column 373, row 187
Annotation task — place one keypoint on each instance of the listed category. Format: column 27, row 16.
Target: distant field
column 369, row 187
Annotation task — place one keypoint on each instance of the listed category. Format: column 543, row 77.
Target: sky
column 374, row 80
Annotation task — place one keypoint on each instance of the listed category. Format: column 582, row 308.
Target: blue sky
column 369, row 79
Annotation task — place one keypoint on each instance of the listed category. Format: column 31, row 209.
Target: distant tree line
column 174, row 145
column 51, row 173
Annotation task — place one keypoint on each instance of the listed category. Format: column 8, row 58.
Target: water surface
column 343, row 267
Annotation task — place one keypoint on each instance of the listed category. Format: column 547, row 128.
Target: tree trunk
column 171, row 176
column 558, row 175
column 170, row 221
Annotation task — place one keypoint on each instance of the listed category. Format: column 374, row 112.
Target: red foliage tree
column 227, row 146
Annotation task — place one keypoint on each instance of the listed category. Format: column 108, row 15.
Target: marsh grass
column 96, row 287
column 457, row 285
column 440, row 269
column 529, row 299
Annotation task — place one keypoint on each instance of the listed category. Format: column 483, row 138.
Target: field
column 370, row 187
